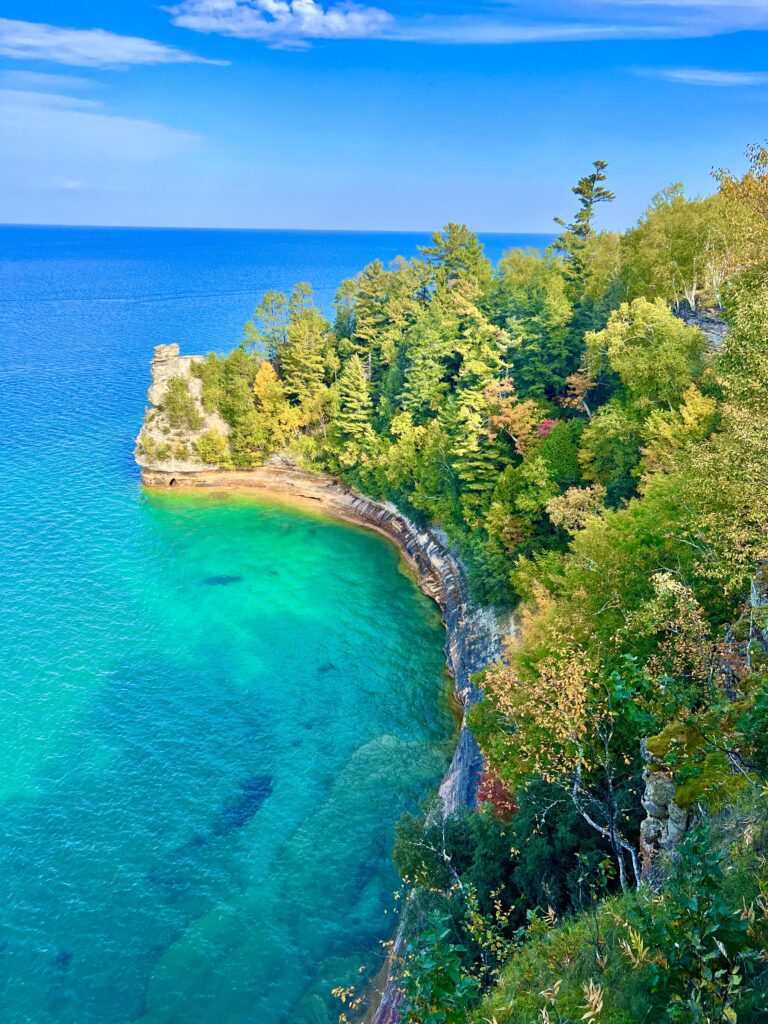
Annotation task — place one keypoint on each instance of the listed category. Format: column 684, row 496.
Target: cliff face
column 165, row 445
column 710, row 322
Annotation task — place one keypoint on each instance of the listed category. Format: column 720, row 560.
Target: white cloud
column 87, row 48
column 471, row 30
column 706, row 76
column 281, row 22
column 297, row 22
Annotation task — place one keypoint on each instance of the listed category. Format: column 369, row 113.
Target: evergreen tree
column 268, row 425
column 344, row 304
column 370, row 316
column 529, row 299
column 428, row 347
column 456, row 254
column 583, row 250
column 267, row 331
column 475, row 456
column 302, row 357
column 352, row 413
column 574, row 239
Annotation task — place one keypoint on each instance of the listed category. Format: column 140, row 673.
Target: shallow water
column 212, row 710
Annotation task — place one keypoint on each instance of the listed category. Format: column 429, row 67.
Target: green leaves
column 437, row 989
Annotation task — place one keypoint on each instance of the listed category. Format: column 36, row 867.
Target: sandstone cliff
column 165, row 444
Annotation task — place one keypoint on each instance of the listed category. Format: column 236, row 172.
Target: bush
column 213, row 448
column 180, row 407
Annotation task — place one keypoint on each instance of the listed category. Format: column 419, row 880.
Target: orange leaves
column 492, row 790
column 579, row 386
column 511, row 415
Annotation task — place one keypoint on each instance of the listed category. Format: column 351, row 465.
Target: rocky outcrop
column 161, row 446
column 709, row 321
column 665, row 825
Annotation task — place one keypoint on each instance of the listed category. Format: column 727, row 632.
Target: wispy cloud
column 66, row 143
column 85, row 127
column 87, row 48
column 40, row 81
column 706, row 77
column 298, row 22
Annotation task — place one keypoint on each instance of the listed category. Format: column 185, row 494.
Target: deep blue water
column 212, row 710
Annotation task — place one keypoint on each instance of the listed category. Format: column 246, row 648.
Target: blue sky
column 309, row 114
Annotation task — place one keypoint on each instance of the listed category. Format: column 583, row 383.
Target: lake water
column 213, row 710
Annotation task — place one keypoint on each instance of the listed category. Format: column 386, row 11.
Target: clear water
column 212, row 710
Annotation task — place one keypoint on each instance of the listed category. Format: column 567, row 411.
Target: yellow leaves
column 747, row 199
column 551, row 993
column 669, row 433
column 635, row 949
column 593, row 1001
column 547, row 713
column 572, row 509
column 348, row 997
column 675, row 618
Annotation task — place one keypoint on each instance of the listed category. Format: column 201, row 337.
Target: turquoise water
column 213, row 710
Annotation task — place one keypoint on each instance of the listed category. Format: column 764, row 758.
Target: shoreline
column 472, row 635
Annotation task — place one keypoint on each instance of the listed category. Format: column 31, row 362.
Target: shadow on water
column 234, row 815
column 238, row 811
column 221, row 581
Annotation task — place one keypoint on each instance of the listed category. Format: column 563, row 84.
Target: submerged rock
column 221, row 581
column 239, row 811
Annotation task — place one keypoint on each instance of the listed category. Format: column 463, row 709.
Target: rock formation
column 162, row 446
column 665, row 825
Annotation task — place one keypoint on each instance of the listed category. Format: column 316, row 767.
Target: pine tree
column 456, row 254
column 267, row 331
column 352, row 415
column 528, row 298
column 582, row 251
column 572, row 243
column 476, row 458
column 301, row 358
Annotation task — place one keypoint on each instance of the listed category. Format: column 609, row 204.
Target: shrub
column 212, row 448
column 179, row 405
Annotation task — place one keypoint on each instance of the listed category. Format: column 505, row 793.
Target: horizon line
column 330, row 231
